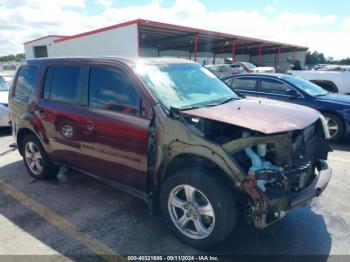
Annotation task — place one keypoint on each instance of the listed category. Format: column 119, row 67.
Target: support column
column 259, row 56
column 278, row 58
column 195, row 47
column 138, row 40
column 233, row 50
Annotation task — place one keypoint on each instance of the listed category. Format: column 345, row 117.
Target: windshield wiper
column 222, row 101
column 189, row 107
column 227, row 100
column 209, row 104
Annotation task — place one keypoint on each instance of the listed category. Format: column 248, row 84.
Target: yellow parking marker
column 92, row 244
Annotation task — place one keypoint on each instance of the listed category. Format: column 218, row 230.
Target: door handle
column 42, row 112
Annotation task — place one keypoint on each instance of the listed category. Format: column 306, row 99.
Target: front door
column 114, row 129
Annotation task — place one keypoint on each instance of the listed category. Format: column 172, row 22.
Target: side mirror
column 292, row 93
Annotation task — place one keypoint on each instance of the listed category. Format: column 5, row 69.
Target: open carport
column 151, row 39
column 160, row 39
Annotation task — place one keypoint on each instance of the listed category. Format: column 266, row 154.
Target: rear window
column 25, row 84
column 248, row 84
column 274, row 87
column 61, row 84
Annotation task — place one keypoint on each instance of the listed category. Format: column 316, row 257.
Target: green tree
column 315, row 58
column 12, row 58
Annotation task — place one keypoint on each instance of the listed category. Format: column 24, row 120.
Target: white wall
column 203, row 57
column 48, row 42
column 175, row 53
column 148, row 52
column 220, row 58
column 118, row 42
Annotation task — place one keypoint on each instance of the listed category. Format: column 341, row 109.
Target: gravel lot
column 79, row 217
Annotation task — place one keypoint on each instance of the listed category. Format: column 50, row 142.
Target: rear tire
column 335, row 126
column 36, row 160
column 205, row 219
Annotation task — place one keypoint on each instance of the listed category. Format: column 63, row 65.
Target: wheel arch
column 191, row 160
column 325, row 111
column 21, row 134
column 337, row 114
column 332, row 87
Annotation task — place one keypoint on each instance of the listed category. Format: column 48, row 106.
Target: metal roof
column 168, row 36
column 165, row 36
column 127, row 60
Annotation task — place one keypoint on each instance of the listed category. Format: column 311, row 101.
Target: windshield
column 184, row 85
column 307, row 86
column 3, row 85
column 249, row 65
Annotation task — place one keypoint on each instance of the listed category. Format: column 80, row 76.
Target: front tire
column 335, row 126
column 198, row 207
column 36, row 160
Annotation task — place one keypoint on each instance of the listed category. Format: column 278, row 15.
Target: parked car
column 170, row 132
column 223, row 70
column 334, row 107
column 7, row 77
column 330, row 78
column 251, row 68
column 4, row 113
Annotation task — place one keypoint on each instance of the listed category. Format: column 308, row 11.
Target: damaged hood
column 262, row 115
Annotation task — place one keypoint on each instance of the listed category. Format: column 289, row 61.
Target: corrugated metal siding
column 121, row 41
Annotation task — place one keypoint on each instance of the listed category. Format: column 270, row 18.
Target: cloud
column 105, row 3
column 346, row 23
column 271, row 8
column 22, row 20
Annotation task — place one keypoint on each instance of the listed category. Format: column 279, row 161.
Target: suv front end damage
column 282, row 171
column 272, row 172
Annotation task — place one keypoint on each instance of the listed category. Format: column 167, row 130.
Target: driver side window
column 111, row 89
column 274, row 87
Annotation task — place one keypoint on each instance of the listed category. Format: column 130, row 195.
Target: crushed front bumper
column 271, row 211
column 314, row 189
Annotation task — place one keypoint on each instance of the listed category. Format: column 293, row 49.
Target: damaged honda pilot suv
column 172, row 133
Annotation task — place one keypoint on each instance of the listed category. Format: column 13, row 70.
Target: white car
column 220, row 70
column 4, row 92
column 336, row 81
column 250, row 68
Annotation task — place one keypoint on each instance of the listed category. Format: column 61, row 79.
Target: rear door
column 245, row 85
column 60, row 112
column 115, row 127
column 22, row 93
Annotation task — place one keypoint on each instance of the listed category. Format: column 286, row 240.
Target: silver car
column 4, row 112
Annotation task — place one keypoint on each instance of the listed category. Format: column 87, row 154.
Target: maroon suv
column 173, row 134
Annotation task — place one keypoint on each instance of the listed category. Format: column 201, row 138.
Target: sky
column 321, row 25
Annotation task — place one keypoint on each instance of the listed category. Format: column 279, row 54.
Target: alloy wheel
column 191, row 212
column 33, row 158
column 333, row 127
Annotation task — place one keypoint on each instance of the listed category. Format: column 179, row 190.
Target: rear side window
column 274, row 87
column 248, row 84
column 25, row 84
column 111, row 89
column 61, row 83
